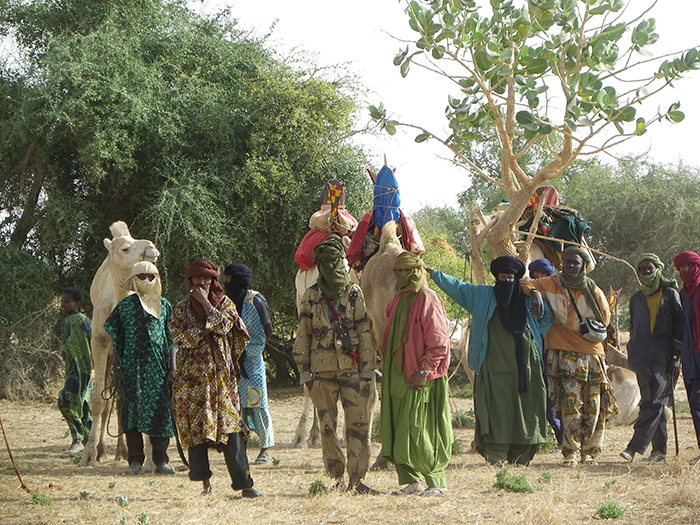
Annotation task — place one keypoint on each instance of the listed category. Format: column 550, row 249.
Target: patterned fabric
column 205, row 393
column 74, row 398
column 581, row 393
column 142, row 350
column 253, row 389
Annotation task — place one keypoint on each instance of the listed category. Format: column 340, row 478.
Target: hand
column 428, row 269
column 537, row 305
column 172, row 375
column 674, row 367
column 417, row 381
column 199, row 294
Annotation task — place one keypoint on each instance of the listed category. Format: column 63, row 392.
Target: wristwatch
column 423, row 373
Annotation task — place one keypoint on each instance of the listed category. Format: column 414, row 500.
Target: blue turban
column 541, row 265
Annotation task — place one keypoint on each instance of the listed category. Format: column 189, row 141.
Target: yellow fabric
column 653, row 303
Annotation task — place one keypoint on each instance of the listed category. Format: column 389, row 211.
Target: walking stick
column 180, row 451
column 675, row 424
column 674, row 378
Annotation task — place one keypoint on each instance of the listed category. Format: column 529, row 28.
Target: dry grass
column 648, row 494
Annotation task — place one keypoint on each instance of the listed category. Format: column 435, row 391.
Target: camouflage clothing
column 357, row 397
column 325, row 346
column 334, row 348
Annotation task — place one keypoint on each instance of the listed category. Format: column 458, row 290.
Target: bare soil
column 649, row 494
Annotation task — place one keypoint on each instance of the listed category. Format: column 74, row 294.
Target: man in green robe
column 74, row 397
column 505, row 352
column 143, row 347
column 415, row 418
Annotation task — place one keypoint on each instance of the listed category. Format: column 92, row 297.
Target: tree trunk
column 27, row 221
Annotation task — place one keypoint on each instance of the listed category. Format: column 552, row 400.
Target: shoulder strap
column 573, row 302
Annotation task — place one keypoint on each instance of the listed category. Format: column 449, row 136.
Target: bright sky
column 363, row 33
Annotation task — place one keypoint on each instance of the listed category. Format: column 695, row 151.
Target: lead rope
column 12, row 460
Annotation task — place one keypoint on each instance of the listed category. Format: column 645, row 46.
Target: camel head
column 125, row 251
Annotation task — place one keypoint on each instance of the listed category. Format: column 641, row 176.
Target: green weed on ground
column 609, row 510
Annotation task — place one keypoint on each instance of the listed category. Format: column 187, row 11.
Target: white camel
column 107, row 289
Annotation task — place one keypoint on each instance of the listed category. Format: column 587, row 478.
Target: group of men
column 528, row 348
column 208, row 347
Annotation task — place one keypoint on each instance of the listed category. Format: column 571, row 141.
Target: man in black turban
column 505, row 352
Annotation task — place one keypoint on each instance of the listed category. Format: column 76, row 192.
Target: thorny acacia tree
column 184, row 127
column 567, row 76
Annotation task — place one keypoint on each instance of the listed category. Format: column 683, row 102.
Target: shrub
column 318, row 487
column 505, row 479
column 463, row 419
column 609, row 510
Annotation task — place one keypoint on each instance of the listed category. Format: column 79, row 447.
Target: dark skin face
column 573, row 264
column 68, row 305
column 646, row 268
column 506, row 277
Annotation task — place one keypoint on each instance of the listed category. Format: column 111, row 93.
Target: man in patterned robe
column 138, row 327
column 210, row 338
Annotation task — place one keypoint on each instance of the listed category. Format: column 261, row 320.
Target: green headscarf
column 651, row 283
column 581, row 281
column 329, row 257
column 410, row 283
column 413, row 280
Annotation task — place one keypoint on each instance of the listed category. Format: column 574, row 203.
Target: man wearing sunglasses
column 138, row 327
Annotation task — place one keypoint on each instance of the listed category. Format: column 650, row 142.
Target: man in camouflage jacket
column 335, row 354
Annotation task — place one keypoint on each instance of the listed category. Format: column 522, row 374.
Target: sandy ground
column 649, row 494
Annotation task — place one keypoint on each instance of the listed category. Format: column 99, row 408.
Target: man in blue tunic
column 254, row 311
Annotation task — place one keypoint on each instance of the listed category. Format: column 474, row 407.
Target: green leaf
column 400, row 56
column 422, row 137
column 640, row 128
column 390, row 128
column 377, row 112
column 405, row 67
column 676, row 116
column 524, row 117
column 438, row 52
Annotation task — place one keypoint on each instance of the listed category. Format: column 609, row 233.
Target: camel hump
column 119, row 229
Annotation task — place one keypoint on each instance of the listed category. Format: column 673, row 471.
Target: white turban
column 149, row 292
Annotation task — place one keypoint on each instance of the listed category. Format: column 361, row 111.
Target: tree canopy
column 192, row 132
column 568, row 77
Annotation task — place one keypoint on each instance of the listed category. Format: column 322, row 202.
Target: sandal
column 363, row 489
column 588, row 460
column 433, row 491
column 262, row 459
column 694, row 461
column 407, row 490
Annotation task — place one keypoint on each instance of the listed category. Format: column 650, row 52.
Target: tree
column 184, row 127
column 566, row 76
column 442, row 234
column 636, row 207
